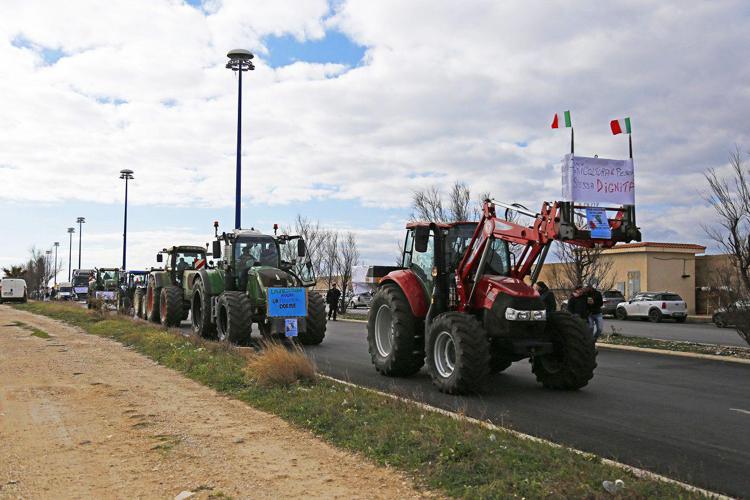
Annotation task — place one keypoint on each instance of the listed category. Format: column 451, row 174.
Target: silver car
column 360, row 300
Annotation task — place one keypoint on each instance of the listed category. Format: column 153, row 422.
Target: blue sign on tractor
column 287, row 302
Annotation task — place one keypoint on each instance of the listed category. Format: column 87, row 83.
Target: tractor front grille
column 497, row 326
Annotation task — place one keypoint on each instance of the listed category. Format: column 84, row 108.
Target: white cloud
column 447, row 91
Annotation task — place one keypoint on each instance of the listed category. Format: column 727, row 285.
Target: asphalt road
column 685, row 418
column 706, row 333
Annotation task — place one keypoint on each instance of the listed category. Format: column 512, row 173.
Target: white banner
column 598, row 180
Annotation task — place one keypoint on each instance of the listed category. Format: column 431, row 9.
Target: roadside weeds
column 456, row 457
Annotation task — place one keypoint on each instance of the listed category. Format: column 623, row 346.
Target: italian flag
column 620, row 126
column 565, row 120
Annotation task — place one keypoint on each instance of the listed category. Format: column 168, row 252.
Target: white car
column 12, row 289
column 653, row 306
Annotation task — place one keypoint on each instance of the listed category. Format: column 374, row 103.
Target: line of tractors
column 462, row 303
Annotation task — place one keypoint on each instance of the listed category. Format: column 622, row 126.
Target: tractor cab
column 106, row 279
column 181, row 259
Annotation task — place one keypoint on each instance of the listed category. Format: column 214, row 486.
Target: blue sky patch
column 49, row 55
column 335, row 48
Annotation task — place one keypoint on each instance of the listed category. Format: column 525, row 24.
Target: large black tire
column 395, row 337
column 200, row 310
column 458, row 353
column 234, row 317
column 571, row 365
column 152, row 302
column 138, row 302
column 315, row 324
column 499, row 359
column 170, row 306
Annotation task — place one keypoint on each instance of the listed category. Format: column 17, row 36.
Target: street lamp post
column 239, row 61
column 57, row 244
column 80, row 221
column 47, row 269
column 127, row 175
column 71, row 230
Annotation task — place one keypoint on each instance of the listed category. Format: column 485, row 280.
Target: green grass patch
column 675, row 345
column 456, row 458
column 35, row 332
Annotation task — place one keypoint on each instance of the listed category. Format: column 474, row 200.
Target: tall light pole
column 47, row 269
column 239, row 61
column 57, row 244
column 80, row 221
column 71, row 230
column 127, row 175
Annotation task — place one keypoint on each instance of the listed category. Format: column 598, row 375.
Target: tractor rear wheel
column 234, row 317
column 499, row 359
column 200, row 310
column 138, row 303
column 170, row 306
column 315, row 325
column 152, row 302
column 571, row 365
column 395, row 337
column 458, row 353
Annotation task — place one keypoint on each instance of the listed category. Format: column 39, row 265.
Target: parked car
column 611, row 299
column 360, row 300
column 13, row 290
column 653, row 306
column 729, row 316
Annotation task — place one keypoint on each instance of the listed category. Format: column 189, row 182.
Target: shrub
column 278, row 365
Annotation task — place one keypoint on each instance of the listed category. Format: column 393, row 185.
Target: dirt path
column 84, row 417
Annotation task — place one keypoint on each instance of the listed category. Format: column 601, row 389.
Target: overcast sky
column 352, row 106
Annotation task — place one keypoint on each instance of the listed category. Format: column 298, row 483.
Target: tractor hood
column 493, row 285
column 273, row 277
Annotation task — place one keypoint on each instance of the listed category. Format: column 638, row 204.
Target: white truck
column 64, row 291
column 653, row 306
column 13, row 290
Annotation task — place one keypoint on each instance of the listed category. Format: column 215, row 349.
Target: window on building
column 634, row 282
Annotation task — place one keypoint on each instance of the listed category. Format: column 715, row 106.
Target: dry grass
column 278, row 365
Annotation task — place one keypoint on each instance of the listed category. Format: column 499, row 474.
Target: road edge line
column 667, row 352
column 640, row 473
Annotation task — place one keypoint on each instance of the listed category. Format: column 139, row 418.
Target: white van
column 12, row 289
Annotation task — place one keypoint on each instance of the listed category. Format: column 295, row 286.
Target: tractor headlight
column 517, row 315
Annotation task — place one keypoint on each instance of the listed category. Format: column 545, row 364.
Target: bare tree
column 579, row 266
column 14, row 272
column 330, row 258
column 348, row 258
column 428, row 204
column 730, row 199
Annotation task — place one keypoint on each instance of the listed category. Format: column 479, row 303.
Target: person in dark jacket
column 594, row 302
column 332, row 299
column 548, row 298
column 577, row 304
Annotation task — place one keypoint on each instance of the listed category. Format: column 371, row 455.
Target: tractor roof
column 109, row 268
column 248, row 232
column 137, row 272
column 441, row 225
column 186, row 248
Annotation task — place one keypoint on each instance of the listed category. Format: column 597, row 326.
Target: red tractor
column 465, row 305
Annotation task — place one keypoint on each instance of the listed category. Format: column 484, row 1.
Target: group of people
column 584, row 302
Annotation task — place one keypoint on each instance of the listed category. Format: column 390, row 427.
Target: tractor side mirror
column 159, row 257
column 301, row 248
column 216, row 249
column 421, row 238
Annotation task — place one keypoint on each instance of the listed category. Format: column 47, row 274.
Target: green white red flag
column 621, row 126
column 562, row 120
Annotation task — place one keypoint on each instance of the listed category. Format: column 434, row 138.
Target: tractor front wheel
column 571, row 364
column 234, row 318
column 315, row 329
column 395, row 337
column 499, row 360
column 458, row 353
column 170, row 306
column 138, row 303
column 200, row 311
column 152, row 302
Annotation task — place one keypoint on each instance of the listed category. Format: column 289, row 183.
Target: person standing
column 595, row 301
column 548, row 298
column 332, row 299
column 577, row 304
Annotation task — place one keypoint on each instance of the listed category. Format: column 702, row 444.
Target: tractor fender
column 408, row 282
column 160, row 279
column 213, row 280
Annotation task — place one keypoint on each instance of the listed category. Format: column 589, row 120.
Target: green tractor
column 168, row 291
column 104, row 285
column 260, row 279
